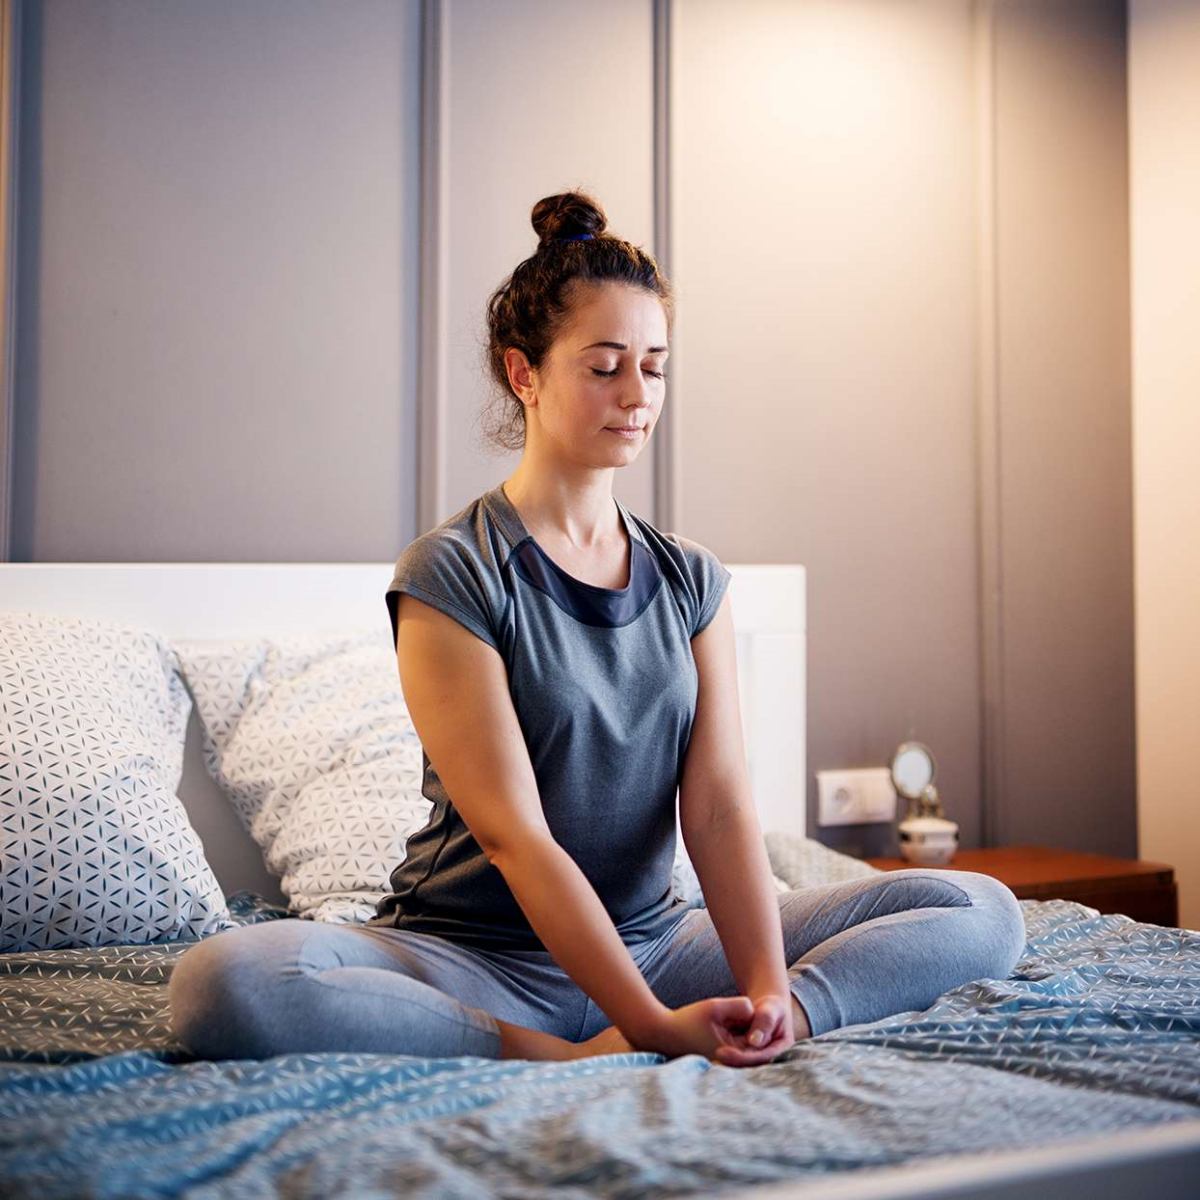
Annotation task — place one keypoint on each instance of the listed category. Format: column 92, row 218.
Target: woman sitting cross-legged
column 568, row 667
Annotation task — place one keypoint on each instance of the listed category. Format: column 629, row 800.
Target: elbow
column 517, row 847
column 494, row 851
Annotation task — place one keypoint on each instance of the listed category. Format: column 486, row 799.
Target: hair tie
column 576, row 237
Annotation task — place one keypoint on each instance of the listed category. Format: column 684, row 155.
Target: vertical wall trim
column 10, row 59
column 668, row 471
column 988, row 445
column 433, row 298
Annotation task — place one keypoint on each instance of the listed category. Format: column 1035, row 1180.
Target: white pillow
column 310, row 738
column 803, row 862
column 95, row 847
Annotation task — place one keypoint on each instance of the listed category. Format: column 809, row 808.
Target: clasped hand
column 736, row 1031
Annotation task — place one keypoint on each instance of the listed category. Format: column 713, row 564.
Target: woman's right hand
column 699, row 1028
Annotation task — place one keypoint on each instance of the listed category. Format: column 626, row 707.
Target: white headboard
column 221, row 600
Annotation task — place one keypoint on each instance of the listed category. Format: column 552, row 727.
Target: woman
column 568, row 667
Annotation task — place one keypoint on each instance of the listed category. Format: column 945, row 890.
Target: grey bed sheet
column 1097, row 1029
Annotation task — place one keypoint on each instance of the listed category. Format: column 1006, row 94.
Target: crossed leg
column 855, row 952
column 297, row 986
column 859, row 950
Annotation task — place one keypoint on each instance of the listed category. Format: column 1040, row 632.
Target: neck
column 582, row 514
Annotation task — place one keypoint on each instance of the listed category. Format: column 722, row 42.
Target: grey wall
column 256, row 241
column 524, row 121
column 829, row 281
column 215, row 324
column 1065, row 513
column 921, row 209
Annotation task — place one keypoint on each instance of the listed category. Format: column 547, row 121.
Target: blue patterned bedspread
column 1097, row 1029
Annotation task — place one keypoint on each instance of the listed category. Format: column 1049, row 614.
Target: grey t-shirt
column 604, row 686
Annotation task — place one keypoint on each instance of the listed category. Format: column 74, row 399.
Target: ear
column 520, row 376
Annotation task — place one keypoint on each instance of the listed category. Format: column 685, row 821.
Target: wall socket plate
column 860, row 797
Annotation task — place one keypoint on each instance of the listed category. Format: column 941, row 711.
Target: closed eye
column 656, row 374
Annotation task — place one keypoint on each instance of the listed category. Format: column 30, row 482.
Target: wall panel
column 218, row 287
column 824, row 249
column 539, row 103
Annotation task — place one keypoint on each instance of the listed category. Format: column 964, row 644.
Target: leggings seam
column 314, row 974
column 587, row 1009
column 970, row 900
column 316, row 978
column 882, row 883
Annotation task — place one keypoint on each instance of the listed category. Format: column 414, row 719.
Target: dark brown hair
column 533, row 305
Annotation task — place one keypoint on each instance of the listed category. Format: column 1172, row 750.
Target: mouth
column 626, row 430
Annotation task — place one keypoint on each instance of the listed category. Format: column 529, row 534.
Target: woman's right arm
column 456, row 689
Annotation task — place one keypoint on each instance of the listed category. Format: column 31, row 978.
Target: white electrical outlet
column 855, row 797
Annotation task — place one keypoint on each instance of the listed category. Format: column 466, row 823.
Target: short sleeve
column 708, row 582
column 442, row 571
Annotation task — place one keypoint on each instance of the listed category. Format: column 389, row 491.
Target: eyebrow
column 622, row 346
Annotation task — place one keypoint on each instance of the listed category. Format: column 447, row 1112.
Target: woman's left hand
column 770, row 1032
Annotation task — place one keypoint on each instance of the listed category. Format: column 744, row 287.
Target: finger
column 773, row 1037
column 778, row 1039
column 765, row 1025
column 733, row 1009
column 725, row 1058
column 725, row 1036
column 763, row 1030
column 733, row 1056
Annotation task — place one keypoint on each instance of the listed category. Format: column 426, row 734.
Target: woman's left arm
column 724, row 841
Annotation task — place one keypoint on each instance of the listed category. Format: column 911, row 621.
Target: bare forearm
column 735, row 874
column 573, row 924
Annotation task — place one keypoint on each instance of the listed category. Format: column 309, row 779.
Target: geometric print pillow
column 803, row 862
column 95, row 847
column 310, row 738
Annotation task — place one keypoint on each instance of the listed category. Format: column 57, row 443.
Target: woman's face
column 603, row 373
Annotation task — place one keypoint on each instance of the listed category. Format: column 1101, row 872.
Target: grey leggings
column 856, row 951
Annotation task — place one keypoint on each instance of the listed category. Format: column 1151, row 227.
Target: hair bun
column 567, row 215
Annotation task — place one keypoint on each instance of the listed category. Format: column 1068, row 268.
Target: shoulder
column 696, row 573
column 456, row 568
column 464, row 534
column 440, row 549
column 470, row 541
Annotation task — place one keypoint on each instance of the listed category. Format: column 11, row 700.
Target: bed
column 1079, row 1073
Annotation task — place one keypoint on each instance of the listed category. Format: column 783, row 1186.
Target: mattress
column 1097, row 1029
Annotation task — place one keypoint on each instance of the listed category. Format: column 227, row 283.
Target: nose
column 641, row 395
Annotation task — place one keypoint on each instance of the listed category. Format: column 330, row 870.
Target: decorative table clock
column 927, row 838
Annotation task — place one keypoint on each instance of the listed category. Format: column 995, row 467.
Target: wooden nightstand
column 1145, row 891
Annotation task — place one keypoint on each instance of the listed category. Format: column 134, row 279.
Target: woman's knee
column 1005, row 924
column 997, row 923
column 220, row 989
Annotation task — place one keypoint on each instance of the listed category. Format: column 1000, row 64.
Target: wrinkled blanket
column 1097, row 1029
